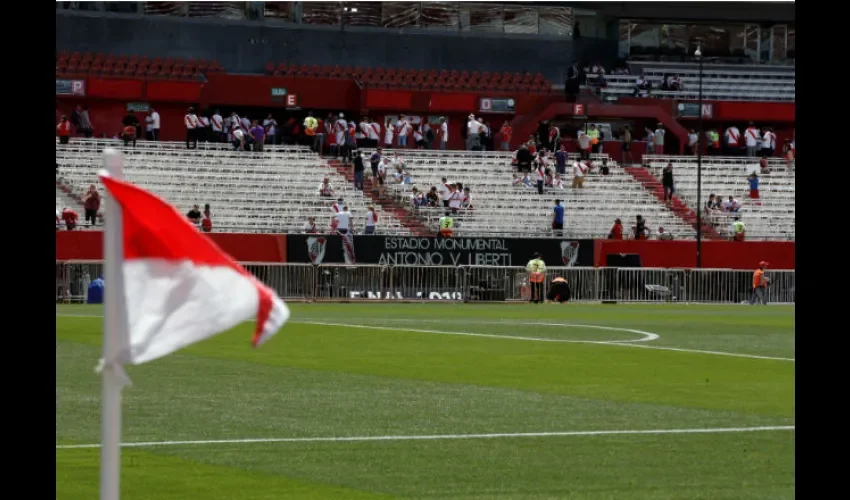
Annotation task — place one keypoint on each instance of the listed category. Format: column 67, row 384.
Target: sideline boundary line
column 439, row 437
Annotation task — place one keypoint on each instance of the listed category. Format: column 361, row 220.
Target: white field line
column 534, row 339
column 439, row 437
column 625, row 343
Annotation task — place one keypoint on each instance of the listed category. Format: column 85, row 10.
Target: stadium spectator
column 524, row 158
column 764, row 166
column 583, row 145
column 194, row 215
column 664, row 235
column 709, row 204
column 554, row 137
column 204, row 128
column 524, row 180
column 63, row 130
column 571, row 84
column 343, row 221
column 433, row 198
column 767, row 142
column 751, row 137
column 486, row 136
column 642, row 86
column 466, row 200
column 443, row 133
column 310, row 227
column 271, row 129
column 258, row 135
column 788, row 149
column 456, row 197
column 667, row 182
column 627, row 143
column 753, row 180
column 418, row 137
column 650, row 141
column 579, row 171
column 403, row 129
column 539, row 177
column 70, row 218
column 417, row 198
column 374, row 161
column 58, row 219
column 128, row 135
column 675, row 83
column 532, row 145
column 733, row 138
column 604, row 170
column 382, row 177
column 505, row 134
column 616, row 232
column 238, row 139
column 359, row 170
column 82, row 121
column 91, row 204
column 190, row 121
column 658, row 139
column 713, row 141
column 157, row 123
column 206, row 221
column 473, row 137
column 217, row 127
column 445, row 191
column 371, row 220
column 389, row 132
column 639, row 229
column 693, row 140
column 558, row 219
column 731, row 205
column 325, row 189
column 148, row 128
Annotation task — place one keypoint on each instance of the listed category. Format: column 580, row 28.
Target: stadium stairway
column 71, row 199
column 405, row 217
column 677, row 206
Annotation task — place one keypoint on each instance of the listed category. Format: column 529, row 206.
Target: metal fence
column 338, row 282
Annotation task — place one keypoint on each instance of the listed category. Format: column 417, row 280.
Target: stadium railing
column 344, row 283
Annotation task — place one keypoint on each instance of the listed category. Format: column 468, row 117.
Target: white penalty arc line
column 440, row 437
column 538, row 339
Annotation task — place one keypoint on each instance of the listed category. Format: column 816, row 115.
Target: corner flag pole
column 114, row 339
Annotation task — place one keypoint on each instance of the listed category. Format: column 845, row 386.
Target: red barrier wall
column 715, row 254
column 256, row 90
column 88, row 245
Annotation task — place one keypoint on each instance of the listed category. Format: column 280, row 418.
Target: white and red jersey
column 204, row 122
column 579, row 169
column 190, row 121
column 751, row 135
column 310, row 227
column 466, row 200
column 455, row 199
column 326, row 190
column 365, row 129
column 217, row 123
column 375, row 131
column 445, row 191
column 557, row 183
column 336, row 207
column 733, row 136
column 403, row 128
column 388, row 136
column 417, row 134
column 339, row 130
column 540, row 173
column 245, row 125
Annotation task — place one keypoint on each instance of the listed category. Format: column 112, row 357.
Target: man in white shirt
column 374, row 133
column 217, row 125
column 343, row 220
column 325, row 188
column 731, row 205
column 540, row 177
column 733, row 138
column 751, row 136
column 340, row 127
column 389, row 131
column 365, row 131
column 155, row 123
column 238, row 139
column 445, row 191
column 473, row 139
column 371, row 220
column 203, row 128
column 149, row 128
column 270, row 126
column 768, row 143
column 664, row 235
column 190, row 121
column 310, row 226
column 658, row 139
column 693, row 139
column 579, row 169
column 444, row 133
column 403, row 128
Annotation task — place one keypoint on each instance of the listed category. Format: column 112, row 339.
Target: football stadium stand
column 771, row 217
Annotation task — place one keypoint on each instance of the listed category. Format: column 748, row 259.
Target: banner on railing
column 427, row 251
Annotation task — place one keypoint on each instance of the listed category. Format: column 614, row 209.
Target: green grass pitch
column 450, row 401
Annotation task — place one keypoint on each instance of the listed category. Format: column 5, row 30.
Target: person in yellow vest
column 593, row 133
column 536, row 274
column 310, row 126
column 713, row 142
column 447, row 224
column 760, row 282
column 739, row 230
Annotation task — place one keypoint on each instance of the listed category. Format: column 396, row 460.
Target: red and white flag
column 178, row 287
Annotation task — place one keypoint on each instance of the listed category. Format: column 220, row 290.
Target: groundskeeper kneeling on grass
column 559, row 290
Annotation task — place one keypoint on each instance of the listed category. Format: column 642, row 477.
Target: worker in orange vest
column 760, row 282
column 536, row 274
